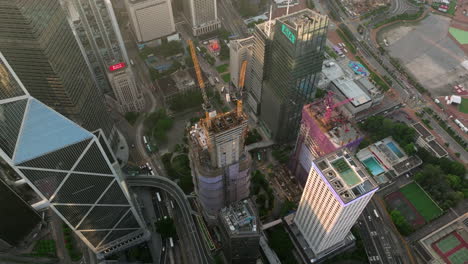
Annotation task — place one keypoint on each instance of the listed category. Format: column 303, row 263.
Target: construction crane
column 330, row 105
column 201, row 83
column 242, row 75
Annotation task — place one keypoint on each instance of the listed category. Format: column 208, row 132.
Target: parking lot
column 428, row 53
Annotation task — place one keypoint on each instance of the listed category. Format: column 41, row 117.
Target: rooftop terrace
column 240, row 218
column 302, row 17
column 345, row 175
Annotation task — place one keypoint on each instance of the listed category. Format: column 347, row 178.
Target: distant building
column 202, row 16
column 386, row 160
column 180, row 82
column 240, row 230
column 151, row 19
column 240, row 51
column 426, row 140
column 337, row 191
column 347, row 85
column 287, row 59
column 318, row 137
column 220, row 164
column 98, row 32
column 448, row 244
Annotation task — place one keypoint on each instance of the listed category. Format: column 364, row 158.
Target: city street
column 380, row 240
column 230, row 19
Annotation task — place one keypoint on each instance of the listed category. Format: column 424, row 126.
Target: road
column 198, row 250
column 230, row 18
column 378, row 239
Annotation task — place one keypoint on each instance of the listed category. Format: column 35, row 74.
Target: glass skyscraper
column 37, row 41
column 98, row 32
column 70, row 169
column 294, row 56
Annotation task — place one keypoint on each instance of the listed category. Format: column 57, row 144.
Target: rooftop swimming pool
column 373, row 166
column 395, row 149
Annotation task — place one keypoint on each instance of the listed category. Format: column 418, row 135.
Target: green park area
column 222, row 68
column 463, row 106
column 423, row 203
column 460, row 35
column 157, row 124
column 226, row 77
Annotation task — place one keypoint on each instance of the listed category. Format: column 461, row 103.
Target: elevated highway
column 198, row 250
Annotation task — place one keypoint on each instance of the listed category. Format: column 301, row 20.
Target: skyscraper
column 98, row 32
column 40, row 46
column 288, row 58
column 319, row 137
column 240, row 51
column 151, row 19
column 220, row 164
column 202, row 15
column 73, row 171
column 240, row 231
column 337, row 191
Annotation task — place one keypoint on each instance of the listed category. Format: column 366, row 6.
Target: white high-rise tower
column 202, row 15
column 337, row 191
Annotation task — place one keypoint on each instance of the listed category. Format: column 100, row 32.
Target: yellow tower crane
column 201, row 83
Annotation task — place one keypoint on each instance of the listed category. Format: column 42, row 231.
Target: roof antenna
column 287, row 8
column 269, row 21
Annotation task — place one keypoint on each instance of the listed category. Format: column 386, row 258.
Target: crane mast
column 201, row 83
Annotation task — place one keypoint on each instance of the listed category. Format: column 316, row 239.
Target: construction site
column 360, row 7
column 220, row 164
column 324, row 129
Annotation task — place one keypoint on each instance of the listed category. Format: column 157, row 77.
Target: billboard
column 117, row 66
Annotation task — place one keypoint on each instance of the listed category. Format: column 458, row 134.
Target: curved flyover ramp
column 198, row 250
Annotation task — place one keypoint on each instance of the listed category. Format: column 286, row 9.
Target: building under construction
column 323, row 130
column 220, row 165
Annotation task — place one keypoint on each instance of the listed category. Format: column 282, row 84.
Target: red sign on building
column 117, row 66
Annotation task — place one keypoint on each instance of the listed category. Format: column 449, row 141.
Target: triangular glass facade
column 44, row 131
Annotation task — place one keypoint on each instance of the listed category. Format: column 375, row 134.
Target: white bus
column 159, row 197
column 144, row 140
column 172, row 204
column 151, row 173
column 171, row 242
column 376, row 214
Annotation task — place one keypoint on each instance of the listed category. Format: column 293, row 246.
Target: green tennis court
column 448, row 243
column 460, row 35
column 463, row 106
column 423, row 203
column 459, row 257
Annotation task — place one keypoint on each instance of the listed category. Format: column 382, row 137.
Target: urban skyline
column 233, row 131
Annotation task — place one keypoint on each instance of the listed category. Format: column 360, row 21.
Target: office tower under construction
column 220, row 164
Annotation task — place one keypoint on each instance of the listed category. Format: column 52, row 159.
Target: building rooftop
column 345, row 175
column 240, row 218
column 223, row 122
column 447, row 244
column 422, row 130
column 332, row 71
column 300, row 18
column 351, row 89
column 239, row 43
column 437, row 148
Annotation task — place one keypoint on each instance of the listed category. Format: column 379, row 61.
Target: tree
column 400, row 222
column 165, row 227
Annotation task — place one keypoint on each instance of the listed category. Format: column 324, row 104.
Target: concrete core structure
column 220, row 164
